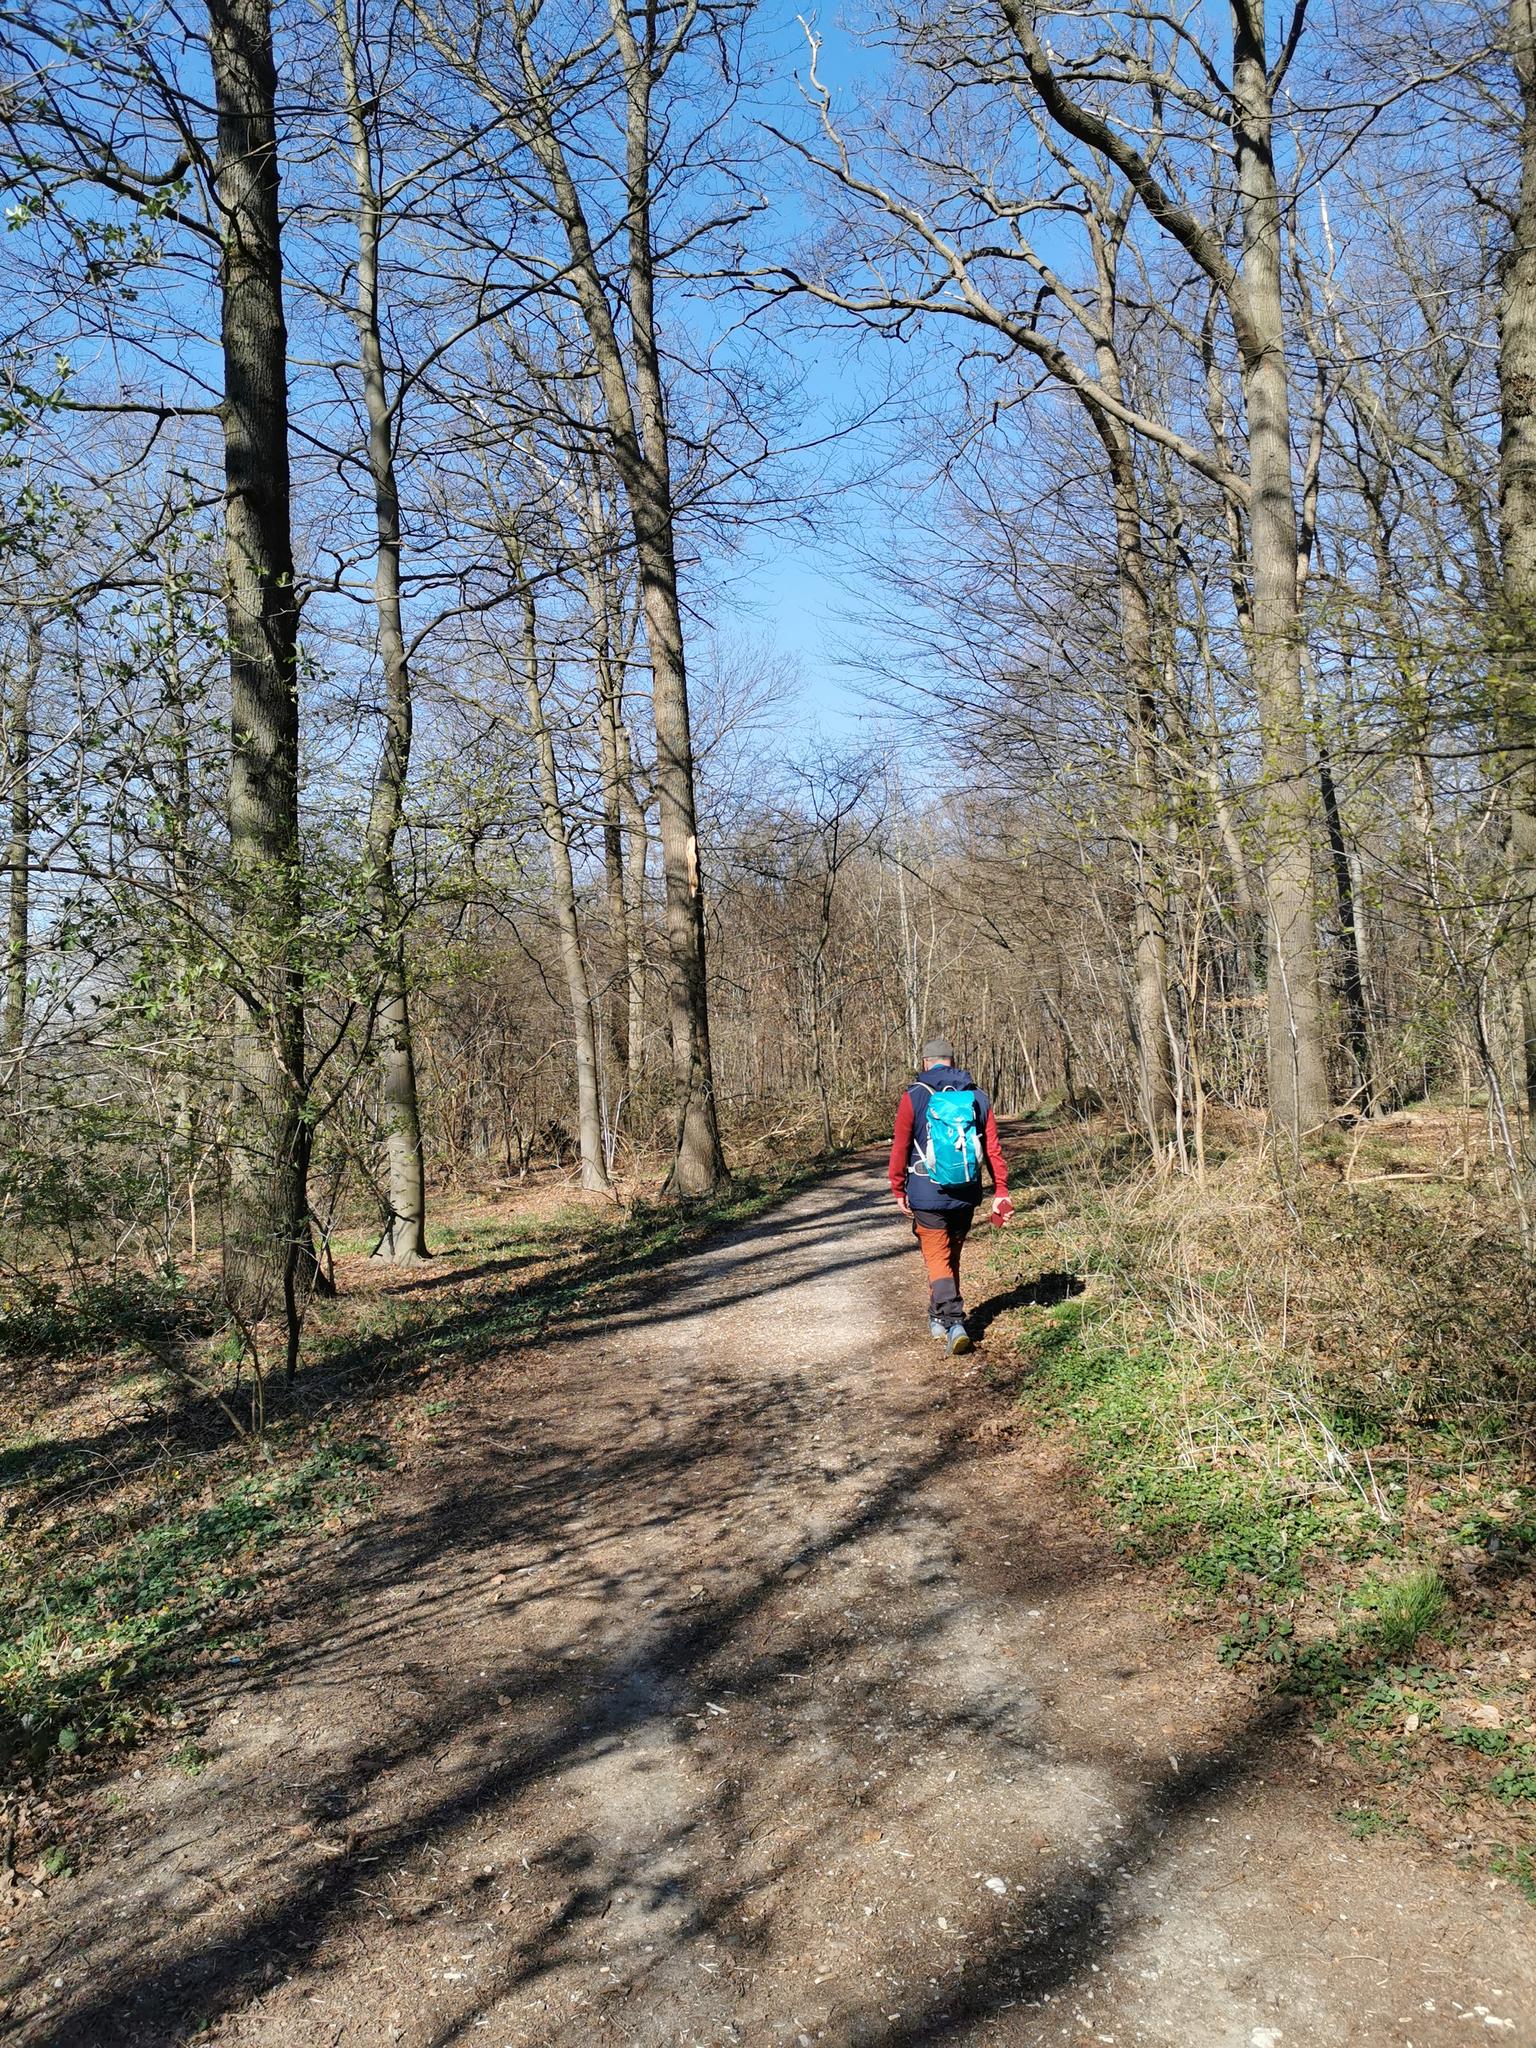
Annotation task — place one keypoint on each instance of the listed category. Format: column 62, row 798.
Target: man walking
column 944, row 1128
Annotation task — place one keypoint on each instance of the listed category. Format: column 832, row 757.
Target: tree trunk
column 268, row 1255
column 637, row 433
column 609, row 664
column 1517, row 525
column 404, row 1237
column 819, row 1003
column 1351, row 971
column 589, row 1114
column 613, row 871
column 1149, row 951
column 181, row 888
column 1357, row 1027
column 1298, row 1079
column 637, row 841
column 699, row 1166
column 18, row 937
column 1156, row 1093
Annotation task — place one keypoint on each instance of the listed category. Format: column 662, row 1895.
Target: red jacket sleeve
column 997, row 1164
column 901, row 1145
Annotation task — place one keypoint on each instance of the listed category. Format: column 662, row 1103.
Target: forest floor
column 727, row 1665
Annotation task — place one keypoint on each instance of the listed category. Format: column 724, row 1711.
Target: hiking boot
column 959, row 1339
column 937, row 1327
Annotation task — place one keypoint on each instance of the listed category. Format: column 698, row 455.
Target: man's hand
column 1002, row 1209
column 904, row 1205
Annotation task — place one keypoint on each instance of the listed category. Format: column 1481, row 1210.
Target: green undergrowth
column 100, row 1614
column 41, row 1318
column 1354, row 1522
column 142, row 1537
column 1196, row 1459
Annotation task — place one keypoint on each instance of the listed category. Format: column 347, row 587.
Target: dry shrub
column 1403, row 1297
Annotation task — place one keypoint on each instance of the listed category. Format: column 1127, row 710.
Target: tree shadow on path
column 675, row 1574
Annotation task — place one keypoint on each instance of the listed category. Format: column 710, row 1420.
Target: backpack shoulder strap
column 915, row 1156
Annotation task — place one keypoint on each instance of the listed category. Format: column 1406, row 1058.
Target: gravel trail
column 719, row 1681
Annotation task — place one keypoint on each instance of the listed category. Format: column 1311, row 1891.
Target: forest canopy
column 434, row 432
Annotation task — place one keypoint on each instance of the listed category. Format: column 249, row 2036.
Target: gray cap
column 939, row 1049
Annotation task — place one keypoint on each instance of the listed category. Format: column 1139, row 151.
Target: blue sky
column 793, row 587
column 788, row 588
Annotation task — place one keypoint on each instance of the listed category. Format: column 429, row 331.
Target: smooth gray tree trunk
column 608, row 715
column 1149, row 949
column 611, row 649
column 699, row 1165
column 589, row 1112
column 1297, row 1016
column 1150, row 1009
column 404, row 1237
column 637, row 843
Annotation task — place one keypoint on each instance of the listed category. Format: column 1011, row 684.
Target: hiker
column 944, row 1126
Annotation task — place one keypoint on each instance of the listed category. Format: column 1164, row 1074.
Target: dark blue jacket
column 921, row 1191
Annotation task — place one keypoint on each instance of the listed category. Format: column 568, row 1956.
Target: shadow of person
column 1046, row 1290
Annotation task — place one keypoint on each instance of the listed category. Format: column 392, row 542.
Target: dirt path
column 714, row 1686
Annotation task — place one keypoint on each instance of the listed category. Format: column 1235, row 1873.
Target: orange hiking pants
column 941, row 1238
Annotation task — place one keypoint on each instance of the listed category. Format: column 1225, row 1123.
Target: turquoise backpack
column 952, row 1157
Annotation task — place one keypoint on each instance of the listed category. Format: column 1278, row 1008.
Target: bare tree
column 594, row 1172
column 1517, row 514
column 268, row 1252
column 1252, row 292
column 20, row 697
column 614, row 623
column 954, row 262
column 404, row 1234
column 536, row 105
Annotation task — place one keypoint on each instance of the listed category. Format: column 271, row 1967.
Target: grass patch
column 1405, row 1608
column 1315, row 1399
column 1517, row 1867
column 1174, row 1446
column 1515, row 1785
column 86, row 1648
column 1366, row 1822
